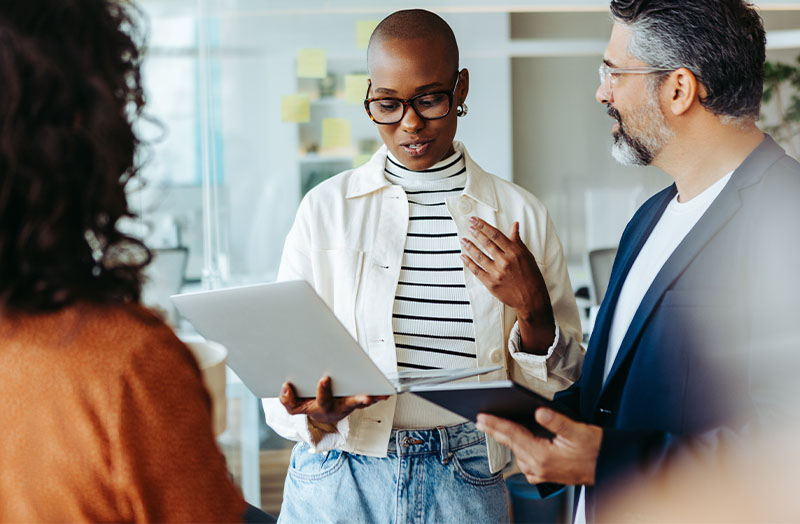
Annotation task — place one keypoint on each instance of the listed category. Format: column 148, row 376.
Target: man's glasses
column 428, row 106
column 609, row 76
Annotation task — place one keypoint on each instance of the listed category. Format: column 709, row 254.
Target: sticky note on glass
column 336, row 132
column 295, row 108
column 355, row 88
column 364, row 29
column 312, row 63
column 361, row 159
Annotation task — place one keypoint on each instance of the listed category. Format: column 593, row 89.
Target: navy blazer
column 704, row 355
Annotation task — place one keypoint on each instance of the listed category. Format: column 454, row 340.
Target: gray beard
column 624, row 153
column 640, row 150
column 627, row 154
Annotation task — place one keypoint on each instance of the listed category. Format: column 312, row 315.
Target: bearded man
column 695, row 344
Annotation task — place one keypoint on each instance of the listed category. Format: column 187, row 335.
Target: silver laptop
column 284, row 331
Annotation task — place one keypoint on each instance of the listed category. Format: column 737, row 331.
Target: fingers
column 346, row 405
column 474, row 268
column 349, row 404
column 513, row 235
column 508, row 433
column 559, row 424
column 478, row 256
column 287, row 397
column 290, row 401
column 325, row 394
column 489, row 236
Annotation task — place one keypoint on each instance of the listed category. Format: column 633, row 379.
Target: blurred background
column 252, row 102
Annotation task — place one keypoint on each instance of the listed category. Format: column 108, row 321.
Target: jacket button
column 465, row 205
column 496, row 356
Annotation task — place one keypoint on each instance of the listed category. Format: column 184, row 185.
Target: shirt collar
column 370, row 178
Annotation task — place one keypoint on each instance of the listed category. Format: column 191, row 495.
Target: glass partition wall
column 258, row 104
column 252, row 102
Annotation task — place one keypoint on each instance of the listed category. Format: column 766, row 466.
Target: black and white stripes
column 432, row 318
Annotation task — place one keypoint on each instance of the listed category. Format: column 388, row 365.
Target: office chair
column 600, row 262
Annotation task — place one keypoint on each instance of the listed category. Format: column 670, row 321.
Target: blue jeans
column 433, row 475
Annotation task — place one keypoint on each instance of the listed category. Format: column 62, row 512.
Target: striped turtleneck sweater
column 432, row 318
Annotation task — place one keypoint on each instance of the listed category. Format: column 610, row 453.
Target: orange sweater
column 104, row 418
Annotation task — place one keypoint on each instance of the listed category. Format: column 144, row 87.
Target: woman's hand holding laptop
column 324, row 411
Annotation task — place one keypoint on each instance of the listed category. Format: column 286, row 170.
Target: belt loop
column 397, row 447
column 446, row 455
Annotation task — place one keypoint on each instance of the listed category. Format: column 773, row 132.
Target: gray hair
column 722, row 42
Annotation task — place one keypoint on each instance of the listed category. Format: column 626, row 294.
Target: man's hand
column 324, row 411
column 570, row 458
column 509, row 271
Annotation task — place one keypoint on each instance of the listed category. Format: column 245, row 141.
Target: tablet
column 503, row 398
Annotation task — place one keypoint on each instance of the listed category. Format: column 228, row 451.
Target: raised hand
column 510, row 272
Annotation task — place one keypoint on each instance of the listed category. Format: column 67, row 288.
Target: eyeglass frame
column 605, row 71
column 409, row 102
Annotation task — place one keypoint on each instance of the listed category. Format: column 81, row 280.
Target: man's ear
column 682, row 89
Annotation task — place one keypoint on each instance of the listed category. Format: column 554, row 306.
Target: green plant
column 781, row 80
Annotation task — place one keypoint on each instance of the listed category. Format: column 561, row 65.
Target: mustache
column 613, row 113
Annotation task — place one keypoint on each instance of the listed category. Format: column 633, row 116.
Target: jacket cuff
column 534, row 365
column 515, row 345
column 295, row 427
column 329, row 441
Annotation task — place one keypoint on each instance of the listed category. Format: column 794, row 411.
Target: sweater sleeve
column 165, row 459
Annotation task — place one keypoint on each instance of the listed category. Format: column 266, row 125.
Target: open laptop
column 283, row 331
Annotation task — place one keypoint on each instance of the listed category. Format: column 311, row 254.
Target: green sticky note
column 364, row 29
column 312, row 63
column 355, row 88
column 295, row 108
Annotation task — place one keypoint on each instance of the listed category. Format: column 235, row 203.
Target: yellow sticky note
column 355, row 88
column 361, row 159
column 336, row 132
column 364, row 29
column 312, row 63
column 295, row 108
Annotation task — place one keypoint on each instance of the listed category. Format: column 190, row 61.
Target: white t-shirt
column 678, row 219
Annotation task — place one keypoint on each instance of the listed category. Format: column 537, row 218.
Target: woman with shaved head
column 408, row 251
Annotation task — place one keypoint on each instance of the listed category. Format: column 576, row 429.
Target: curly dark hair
column 70, row 89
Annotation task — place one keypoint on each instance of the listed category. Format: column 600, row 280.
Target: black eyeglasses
column 428, row 106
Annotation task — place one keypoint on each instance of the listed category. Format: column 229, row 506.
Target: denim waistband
column 441, row 440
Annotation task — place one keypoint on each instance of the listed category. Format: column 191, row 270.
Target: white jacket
column 347, row 242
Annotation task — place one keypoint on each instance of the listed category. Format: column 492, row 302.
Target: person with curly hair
column 104, row 415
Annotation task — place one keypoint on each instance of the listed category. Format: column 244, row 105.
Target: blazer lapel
column 720, row 211
column 629, row 250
